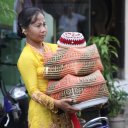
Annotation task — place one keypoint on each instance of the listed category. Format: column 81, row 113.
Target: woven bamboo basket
column 79, row 88
column 78, row 68
column 74, row 61
column 65, row 55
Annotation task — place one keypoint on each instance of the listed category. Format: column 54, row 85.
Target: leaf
column 114, row 53
column 107, row 39
column 115, row 68
column 104, row 50
column 112, row 48
column 101, row 41
column 6, row 11
column 114, row 39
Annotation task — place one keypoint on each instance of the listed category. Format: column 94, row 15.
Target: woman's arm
column 28, row 71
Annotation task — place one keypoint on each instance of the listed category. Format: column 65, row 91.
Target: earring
column 23, row 31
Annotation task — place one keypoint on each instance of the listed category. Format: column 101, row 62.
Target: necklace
column 41, row 50
column 38, row 50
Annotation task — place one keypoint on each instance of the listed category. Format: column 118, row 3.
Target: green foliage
column 107, row 51
column 107, row 46
column 6, row 12
column 117, row 100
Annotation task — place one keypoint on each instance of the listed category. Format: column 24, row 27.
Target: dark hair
column 25, row 19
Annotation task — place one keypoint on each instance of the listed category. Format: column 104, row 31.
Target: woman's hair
column 25, row 19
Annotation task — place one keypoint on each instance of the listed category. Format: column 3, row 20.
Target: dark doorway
column 107, row 17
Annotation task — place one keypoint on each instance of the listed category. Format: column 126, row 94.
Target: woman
column 43, row 110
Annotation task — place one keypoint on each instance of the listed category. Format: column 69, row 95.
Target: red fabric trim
column 64, row 41
column 75, row 121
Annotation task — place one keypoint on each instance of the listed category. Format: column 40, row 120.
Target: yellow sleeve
column 53, row 47
column 28, row 71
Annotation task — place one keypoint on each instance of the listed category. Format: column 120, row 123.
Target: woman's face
column 37, row 30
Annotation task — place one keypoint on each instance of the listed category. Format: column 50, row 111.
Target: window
column 66, row 15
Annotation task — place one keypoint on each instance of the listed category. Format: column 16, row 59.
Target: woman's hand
column 64, row 104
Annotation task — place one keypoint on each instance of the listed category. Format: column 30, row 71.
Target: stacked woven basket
column 74, row 71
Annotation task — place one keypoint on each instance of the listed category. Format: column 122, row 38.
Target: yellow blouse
column 41, row 113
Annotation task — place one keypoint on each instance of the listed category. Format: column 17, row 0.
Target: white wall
column 49, row 21
column 126, row 41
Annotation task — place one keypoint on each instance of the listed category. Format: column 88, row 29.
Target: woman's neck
column 37, row 45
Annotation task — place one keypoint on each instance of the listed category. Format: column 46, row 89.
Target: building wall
column 126, row 40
